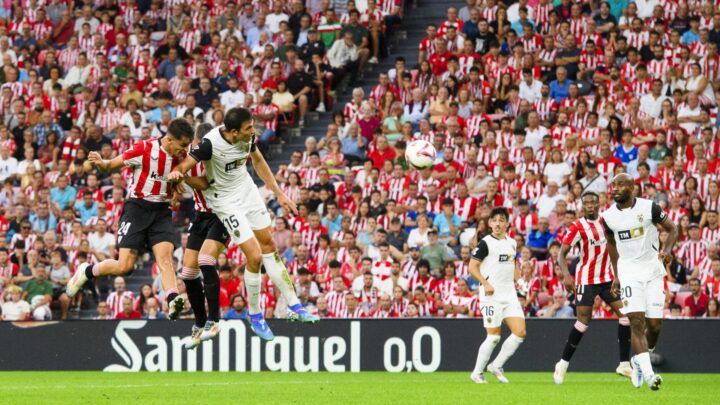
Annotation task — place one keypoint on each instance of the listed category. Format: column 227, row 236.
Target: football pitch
column 348, row 388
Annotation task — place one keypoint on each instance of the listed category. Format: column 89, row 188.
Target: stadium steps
column 418, row 15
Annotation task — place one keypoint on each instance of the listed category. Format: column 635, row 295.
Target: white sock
column 643, row 360
column 507, row 350
column 484, row 353
column 252, row 283
column 279, row 276
column 564, row 364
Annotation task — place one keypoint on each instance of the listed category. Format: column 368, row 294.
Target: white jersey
column 225, row 167
column 636, row 238
column 498, row 263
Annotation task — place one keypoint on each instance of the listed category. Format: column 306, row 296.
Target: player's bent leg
column 653, row 326
column 163, row 256
column 209, row 252
column 511, row 344
column 484, row 353
column 278, row 274
column 623, row 336
column 110, row 267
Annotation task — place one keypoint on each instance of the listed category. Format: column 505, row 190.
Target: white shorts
column 244, row 215
column 495, row 310
column 643, row 296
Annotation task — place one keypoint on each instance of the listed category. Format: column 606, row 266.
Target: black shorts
column 206, row 226
column 144, row 224
column 586, row 294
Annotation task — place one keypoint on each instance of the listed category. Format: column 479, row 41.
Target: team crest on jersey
column 237, row 233
column 504, row 258
column 641, row 218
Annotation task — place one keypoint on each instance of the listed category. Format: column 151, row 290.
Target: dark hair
column 202, row 130
column 500, row 211
column 180, row 128
column 236, row 117
column 592, row 194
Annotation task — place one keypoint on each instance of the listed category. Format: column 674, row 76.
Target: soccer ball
column 420, row 154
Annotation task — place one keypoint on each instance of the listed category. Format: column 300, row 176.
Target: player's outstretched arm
column 263, row 170
column 105, row 164
column 178, row 173
column 197, row 182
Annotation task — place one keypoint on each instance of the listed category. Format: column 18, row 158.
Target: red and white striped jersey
column 468, row 300
column 445, row 288
column 524, row 225
column 115, row 301
column 151, row 165
column 547, row 56
column 395, row 187
column 382, row 314
column 594, row 267
column 335, row 301
column 711, row 235
column 310, row 238
column 465, row 207
column 408, row 268
column 692, row 251
column 657, row 68
column 428, row 309
column 200, row 204
column 637, row 39
column 310, row 176
column 190, row 39
column 544, row 107
column 400, row 306
column 712, row 203
column 352, row 111
column 344, row 314
column 262, row 108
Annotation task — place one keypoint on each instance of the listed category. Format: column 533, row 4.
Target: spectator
column 434, row 252
column 697, row 302
column 152, row 310
column 538, row 240
column 239, row 308
column 558, row 308
column 15, row 309
column 39, row 293
column 127, row 312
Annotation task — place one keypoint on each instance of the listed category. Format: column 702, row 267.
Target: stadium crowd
column 529, row 103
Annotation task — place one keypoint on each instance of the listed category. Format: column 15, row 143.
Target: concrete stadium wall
column 333, row 345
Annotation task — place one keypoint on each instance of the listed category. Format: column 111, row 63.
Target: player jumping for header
column 236, row 201
column 633, row 246
column 493, row 264
column 146, row 221
column 593, row 277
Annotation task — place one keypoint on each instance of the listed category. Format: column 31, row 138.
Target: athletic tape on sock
column 189, row 274
column 206, row 260
column 581, row 327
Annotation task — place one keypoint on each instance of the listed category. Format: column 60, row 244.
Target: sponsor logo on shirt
column 504, row 258
column 631, row 233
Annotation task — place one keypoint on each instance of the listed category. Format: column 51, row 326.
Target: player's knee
column 654, row 327
column 520, row 333
column 125, row 267
column 64, row 299
column 254, row 260
column 637, row 324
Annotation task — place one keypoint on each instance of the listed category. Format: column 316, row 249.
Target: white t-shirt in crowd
column 101, row 244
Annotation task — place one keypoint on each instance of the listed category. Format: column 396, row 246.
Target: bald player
column 638, row 263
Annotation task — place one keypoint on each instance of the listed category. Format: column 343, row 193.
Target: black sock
column 212, row 291
column 88, row 272
column 624, row 342
column 196, row 296
column 572, row 343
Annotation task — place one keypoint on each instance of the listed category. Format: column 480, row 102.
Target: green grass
column 89, row 388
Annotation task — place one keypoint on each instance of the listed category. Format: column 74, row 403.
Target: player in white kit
column 493, row 264
column 236, row 200
column 633, row 245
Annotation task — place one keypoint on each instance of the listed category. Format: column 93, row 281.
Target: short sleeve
column 607, row 228
column 203, row 151
column 481, row 251
column 572, row 236
column 658, row 215
column 134, row 155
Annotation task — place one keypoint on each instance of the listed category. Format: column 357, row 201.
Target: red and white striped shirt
column 115, row 301
column 190, row 39
column 151, row 165
column 200, row 203
column 692, row 251
column 335, row 301
column 595, row 265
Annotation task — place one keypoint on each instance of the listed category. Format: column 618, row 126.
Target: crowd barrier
column 403, row 345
